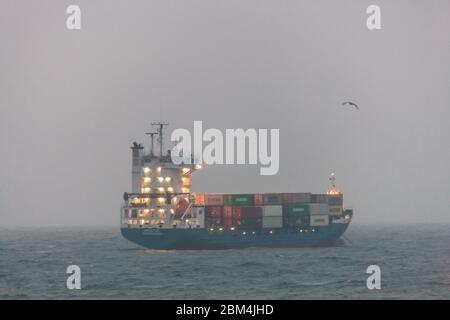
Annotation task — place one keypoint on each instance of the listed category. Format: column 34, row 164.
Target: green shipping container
column 227, row 200
column 242, row 200
column 296, row 210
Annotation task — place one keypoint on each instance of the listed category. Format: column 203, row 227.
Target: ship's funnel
column 136, row 153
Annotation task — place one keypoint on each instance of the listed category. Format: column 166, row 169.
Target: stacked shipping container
column 270, row 210
column 335, row 203
column 214, row 216
column 272, row 216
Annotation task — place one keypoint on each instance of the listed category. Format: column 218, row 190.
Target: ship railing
column 127, row 196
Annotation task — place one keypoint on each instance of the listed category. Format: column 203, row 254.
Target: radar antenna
column 160, row 126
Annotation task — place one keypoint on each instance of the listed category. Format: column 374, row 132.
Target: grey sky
column 71, row 102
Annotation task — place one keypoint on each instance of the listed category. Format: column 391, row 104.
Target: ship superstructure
column 161, row 190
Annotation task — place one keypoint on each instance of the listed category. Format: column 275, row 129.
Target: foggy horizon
column 72, row 102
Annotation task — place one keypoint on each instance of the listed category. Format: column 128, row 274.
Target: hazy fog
column 71, row 102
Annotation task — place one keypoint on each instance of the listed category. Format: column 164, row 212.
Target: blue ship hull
column 200, row 238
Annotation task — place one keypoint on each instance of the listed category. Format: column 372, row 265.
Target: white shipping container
column 272, row 222
column 318, row 209
column 335, row 210
column 319, row 221
column 272, row 211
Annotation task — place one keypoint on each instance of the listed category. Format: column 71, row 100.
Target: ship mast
column 151, row 134
column 333, row 180
column 160, row 127
column 333, row 189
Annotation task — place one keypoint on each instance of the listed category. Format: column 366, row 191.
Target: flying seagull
column 350, row 104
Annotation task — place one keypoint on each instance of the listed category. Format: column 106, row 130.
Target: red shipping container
column 213, row 212
column 237, row 213
column 287, row 198
column 228, row 212
column 259, row 199
column 252, row 212
column 247, row 212
column 213, row 199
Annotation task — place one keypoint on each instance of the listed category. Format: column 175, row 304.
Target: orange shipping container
column 200, row 199
column 259, row 199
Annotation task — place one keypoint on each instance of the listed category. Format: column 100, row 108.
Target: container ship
column 162, row 212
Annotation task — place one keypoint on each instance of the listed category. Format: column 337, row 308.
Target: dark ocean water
column 414, row 262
